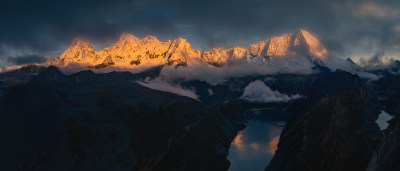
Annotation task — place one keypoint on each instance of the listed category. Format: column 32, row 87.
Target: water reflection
column 382, row 120
column 254, row 147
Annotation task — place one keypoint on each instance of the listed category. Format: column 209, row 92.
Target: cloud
column 396, row 28
column 377, row 61
column 71, row 68
column 27, row 59
column 161, row 85
column 376, row 10
column 199, row 70
column 217, row 75
column 374, row 61
column 257, row 91
column 367, row 75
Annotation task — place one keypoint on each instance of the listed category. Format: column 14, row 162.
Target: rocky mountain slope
column 20, row 76
column 94, row 121
column 87, row 120
column 333, row 128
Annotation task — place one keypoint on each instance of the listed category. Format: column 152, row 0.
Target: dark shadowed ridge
column 55, row 122
column 50, row 76
column 21, row 75
column 351, row 61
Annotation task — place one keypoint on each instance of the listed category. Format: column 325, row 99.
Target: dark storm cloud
column 26, row 59
column 40, row 27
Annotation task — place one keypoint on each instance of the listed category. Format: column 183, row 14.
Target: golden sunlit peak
column 128, row 37
column 150, row 39
column 181, row 40
column 131, row 51
column 79, row 40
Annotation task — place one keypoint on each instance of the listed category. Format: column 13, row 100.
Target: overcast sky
column 33, row 30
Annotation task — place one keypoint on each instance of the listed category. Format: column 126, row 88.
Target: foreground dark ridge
column 107, row 122
column 333, row 129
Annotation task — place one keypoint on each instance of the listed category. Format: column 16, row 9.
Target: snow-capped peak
column 80, row 42
column 127, row 37
column 80, row 51
column 181, row 52
column 150, row 39
column 301, row 43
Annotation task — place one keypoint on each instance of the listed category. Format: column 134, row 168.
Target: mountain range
column 131, row 51
column 167, row 118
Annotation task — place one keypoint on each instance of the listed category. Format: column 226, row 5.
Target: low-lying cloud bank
column 368, row 76
column 72, row 68
column 161, row 85
column 242, row 68
column 209, row 73
column 380, row 61
column 257, row 91
column 216, row 75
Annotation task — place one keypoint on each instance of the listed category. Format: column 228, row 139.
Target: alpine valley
column 284, row 103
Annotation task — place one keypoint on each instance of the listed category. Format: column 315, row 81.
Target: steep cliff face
column 333, row 128
column 387, row 89
column 130, row 51
column 390, row 152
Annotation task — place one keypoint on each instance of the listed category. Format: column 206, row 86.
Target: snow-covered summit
column 80, row 51
column 298, row 44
